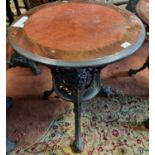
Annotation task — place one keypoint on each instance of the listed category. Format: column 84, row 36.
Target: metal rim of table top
column 88, row 63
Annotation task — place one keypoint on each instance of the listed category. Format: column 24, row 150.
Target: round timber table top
column 142, row 9
column 76, row 34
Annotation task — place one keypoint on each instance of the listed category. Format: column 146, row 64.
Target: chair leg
column 26, row 5
column 9, row 12
column 17, row 7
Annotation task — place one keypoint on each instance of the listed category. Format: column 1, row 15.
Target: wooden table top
column 77, row 34
column 142, row 9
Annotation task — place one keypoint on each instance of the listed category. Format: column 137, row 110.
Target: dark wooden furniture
column 9, row 12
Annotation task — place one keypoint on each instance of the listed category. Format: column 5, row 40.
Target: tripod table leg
column 78, row 145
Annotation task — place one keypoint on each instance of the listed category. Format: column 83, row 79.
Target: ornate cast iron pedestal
column 76, row 85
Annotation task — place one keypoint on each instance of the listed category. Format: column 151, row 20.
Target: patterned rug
column 110, row 126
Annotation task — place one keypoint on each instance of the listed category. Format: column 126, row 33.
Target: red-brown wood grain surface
column 76, row 31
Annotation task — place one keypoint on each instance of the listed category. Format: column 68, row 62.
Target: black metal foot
column 17, row 7
column 78, row 145
column 106, row 90
column 146, row 124
column 47, row 94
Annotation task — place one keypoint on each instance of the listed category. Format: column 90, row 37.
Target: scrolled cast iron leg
column 18, row 60
column 134, row 71
column 47, row 93
column 78, row 145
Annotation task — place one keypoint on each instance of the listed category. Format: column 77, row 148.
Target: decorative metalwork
column 67, row 82
column 76, row 85
column 18, row 60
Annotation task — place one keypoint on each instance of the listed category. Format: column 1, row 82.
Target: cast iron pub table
column 76, row 40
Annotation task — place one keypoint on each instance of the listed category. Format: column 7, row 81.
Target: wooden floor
column 30, row 116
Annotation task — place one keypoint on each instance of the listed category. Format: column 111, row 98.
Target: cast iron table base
column 75, row 85
column 18, row 60
column 106, row 90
